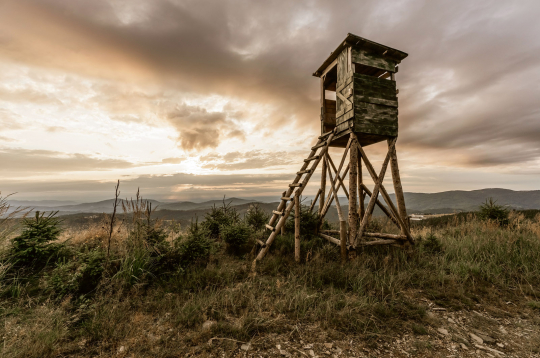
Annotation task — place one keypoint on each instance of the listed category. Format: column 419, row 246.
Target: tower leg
column 400, row 198
column 297, row 227
column 322, row 197
column 353, row 186
column 361, row 195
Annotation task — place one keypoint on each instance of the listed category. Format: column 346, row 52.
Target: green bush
column 256, row 217
column 309, row 222
column 493, row 212
column 432, row 244
column 35, row 245
column 219, row 217
column 195, row 247
column 79, row 276
column 236, row 236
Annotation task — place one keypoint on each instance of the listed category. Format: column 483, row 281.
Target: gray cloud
column 46, row 161
column 469, row 87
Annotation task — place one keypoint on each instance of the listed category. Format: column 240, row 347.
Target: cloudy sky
column 199, row 99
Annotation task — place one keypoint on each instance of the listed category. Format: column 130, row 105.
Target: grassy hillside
column 165, row 294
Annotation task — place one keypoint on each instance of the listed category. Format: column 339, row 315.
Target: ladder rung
column 271, row 228
column 277, row 212
column 307, row 171
column 312, row 158
column 261, row 243
column 297, row 185
column 286, row 198
column 318, row 146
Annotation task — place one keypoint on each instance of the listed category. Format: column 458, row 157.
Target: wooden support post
column 361, row 196
column 315, row 200
column 338, row 177
column 342, row 222
column 297, row 214
column 353, row 182
column 283, row 227
column 398, row 189
column 323, row 188
column 372, row 201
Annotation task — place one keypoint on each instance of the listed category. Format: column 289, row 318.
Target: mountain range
column 443, row 202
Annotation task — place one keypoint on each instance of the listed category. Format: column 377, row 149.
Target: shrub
column 496, row 213
column 35, row 245
column 256, row 217
column 236, row 236
column 432, row 244
column 79, row 276
column 195, row 247
column 309, row 222
column 219, row 217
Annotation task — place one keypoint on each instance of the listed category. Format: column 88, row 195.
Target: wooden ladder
column 284, row 209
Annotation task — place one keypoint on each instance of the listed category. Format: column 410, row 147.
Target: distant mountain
column 48, row 203
column 460, row 200
column 444, row 202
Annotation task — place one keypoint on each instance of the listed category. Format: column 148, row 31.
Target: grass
column 155, row 303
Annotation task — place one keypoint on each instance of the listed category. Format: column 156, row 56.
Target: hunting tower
column 358, row 91
column 359, row 107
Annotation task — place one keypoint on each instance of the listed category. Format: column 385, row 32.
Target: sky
column 193, row 100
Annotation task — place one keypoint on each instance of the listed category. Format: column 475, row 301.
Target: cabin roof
column 361, row 42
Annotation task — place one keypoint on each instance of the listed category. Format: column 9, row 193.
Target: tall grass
column 160, row 287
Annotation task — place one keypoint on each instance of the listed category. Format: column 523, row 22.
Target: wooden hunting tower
column 358, row 91
column 359, row 107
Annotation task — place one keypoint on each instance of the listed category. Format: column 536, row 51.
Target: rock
column 451, row 320
column 329, row 345
column 500, row 345
column 207, row 325
column 311, row 353
column 278, row 346
column 121, row 349
column 308, row 346
column 503, row 331
column 484, row 336
column 284, row 353
column 489, row 349
column 476, row 338
column 463, row 346
column 245, row 347
column 442, row 331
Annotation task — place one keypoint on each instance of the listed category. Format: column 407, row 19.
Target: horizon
column 195, row 101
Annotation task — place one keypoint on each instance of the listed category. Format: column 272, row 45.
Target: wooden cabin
column 358, row 91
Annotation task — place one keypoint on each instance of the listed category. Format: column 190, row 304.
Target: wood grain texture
column 297, row 227
column 372, row 59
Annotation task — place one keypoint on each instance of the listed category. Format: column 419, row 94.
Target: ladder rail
column 283, row 219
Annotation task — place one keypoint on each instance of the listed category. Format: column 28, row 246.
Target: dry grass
column 161, row 313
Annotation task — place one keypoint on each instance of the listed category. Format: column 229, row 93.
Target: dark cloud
column 468, row 91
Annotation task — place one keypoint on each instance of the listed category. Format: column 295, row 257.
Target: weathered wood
column 277, row 212
column 337, row 176
column 398, row 189
column 315, row 200
column 372, row 200
column 283, row 219
column 331, row 196
column 385, row 236
column 311, row 158
column 271, row 228
column 371, row 59
column 307, row 171
column 297, row 215
column 361, row 197
column 331, row 239
column 328, row 201
column 384, row 192
column 295, row 185
column 353, row 186
column 322, row 189
column 334, row 191
column 260, row 242
column 384, row 209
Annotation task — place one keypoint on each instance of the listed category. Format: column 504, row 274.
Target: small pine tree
column 36, row 244
column 496, row 213
column 256, row 217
